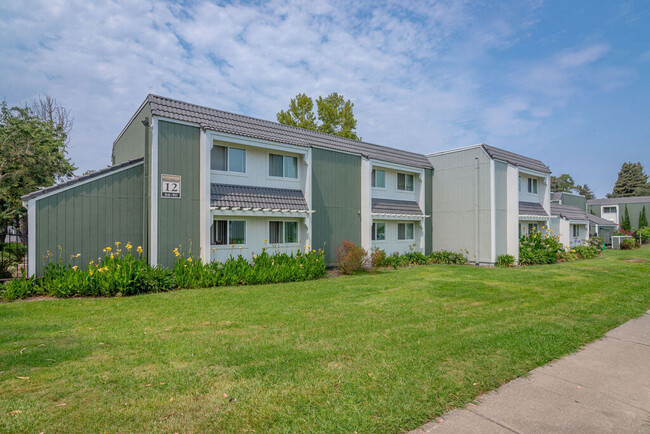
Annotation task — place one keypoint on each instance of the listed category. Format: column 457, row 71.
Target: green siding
column 633, row 209
column 428, row 210
column 86, row 218
column 574, row 200
column 178, row 219
column 336, row 200
column 131, row 144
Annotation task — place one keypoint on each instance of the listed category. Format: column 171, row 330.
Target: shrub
column 644, row 234
column 378, row 258
column 565, row 256
column 447, row 257
column 596, row 241
column 587, row 251
column 351, row 258
column 505, row 260
column 539, row 247
column 629, row 244
column 22, row 287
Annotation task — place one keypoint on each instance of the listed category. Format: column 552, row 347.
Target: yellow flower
column 139, row 249
column 74, row 268
column 107, row 249
column 176, row 253
column 91, row 272
column 254, row 256
column 117, row 243
column 128, row 246
column 92, row 261
column 189, row 259
column 265, row 241
column 241, row 247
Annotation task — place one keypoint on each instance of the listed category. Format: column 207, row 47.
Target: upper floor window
column 404, row 182
column 532, row 185
column 609, row 209
column 283, row 166
column 378, row 178
column 228, row 159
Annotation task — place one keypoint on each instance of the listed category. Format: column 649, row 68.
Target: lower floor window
column 575, row 230
column 283, row 232
column 405, row 231
column 532, row 227
column 378, row 231
column 228, row 232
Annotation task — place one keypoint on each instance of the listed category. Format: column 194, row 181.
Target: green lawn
column 384, row 352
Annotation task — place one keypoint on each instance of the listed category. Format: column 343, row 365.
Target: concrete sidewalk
column 604, row 388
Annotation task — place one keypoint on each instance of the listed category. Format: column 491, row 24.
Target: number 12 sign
column 171, row 186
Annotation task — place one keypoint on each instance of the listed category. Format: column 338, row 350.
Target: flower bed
column 126, row 272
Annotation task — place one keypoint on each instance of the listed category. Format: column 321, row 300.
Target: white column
column 366, row 204
column 153, row 226
column 204, row 191
column 308, row 196
column 31, row 237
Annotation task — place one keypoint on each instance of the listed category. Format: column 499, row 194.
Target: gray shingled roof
column 232, row 123
column 568, row 212
column 556, row 196
column 531, row 208
column 243, row 196
column 617, row 200
column 392, row 206
column 515, row 159
column 600, row 221
column 82, row 178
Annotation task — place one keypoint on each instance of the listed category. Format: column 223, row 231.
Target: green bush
column 629, row 244
column 19, row 288
column 565, row 256
column 644, row 234
column 596, row 242
column 505, row 260
column 587, row 251
column 378, row 258
column 447, row 257
column 539, row 247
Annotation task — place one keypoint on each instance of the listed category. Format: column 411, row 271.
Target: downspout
column 476, row 213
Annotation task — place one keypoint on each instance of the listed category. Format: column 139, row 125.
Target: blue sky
column 565, row 82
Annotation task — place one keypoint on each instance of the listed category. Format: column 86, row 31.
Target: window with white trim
column 532, row 227
column 378, row 231
column 283, row 232
column 405, row 231
column 405, row 182
column 609, row 210
column 575, row 230
column 227, row 159
column 532, row 185
column 378, row 178
column 284, row 166
column 228, row 232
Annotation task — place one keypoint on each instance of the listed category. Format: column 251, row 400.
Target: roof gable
column 515, row 159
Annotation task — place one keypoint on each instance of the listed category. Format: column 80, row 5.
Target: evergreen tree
column 625, row 224
column 630, row 178
column 586, row 191
column 643, row 220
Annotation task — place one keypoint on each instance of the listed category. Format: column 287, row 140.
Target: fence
column 13, row 254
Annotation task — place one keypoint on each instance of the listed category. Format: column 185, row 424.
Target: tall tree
column 32, row 154
column 563, row 183
column 644, row 190
column 335, row 113
column 626, row 224
column 586, row 191
column 630, row 178
column 50, row 110
column 643, row 219
column 300, row 113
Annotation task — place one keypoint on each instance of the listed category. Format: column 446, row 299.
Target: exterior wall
column 501, row 207
column 257, row 232
column 392, row 245
column 553, row 224
column 131, row 143
column 428, row 210
column 543, row 191
column 462, row 203
column 336, row 200
column 574, row 200
column 391, row 191
column 633, row 209
column 512, row 212
column 88, row 217
column 257, row 168
column 178, row 219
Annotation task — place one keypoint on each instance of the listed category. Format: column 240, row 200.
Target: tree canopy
column 586, row 191
column 32, row 154
column 565, row 183
column 631, row 180
column 335, row 113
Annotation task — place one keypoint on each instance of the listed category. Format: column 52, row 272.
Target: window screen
column 219, row 232
column 275, row 165
column 275, row 232
column 218, row 158
column 290, row 232
column 237, row 232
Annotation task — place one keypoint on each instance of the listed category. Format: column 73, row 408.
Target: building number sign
column 171, row 186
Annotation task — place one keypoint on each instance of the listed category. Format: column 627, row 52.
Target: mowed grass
column 384, row 352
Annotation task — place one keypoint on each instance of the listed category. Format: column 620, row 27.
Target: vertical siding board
column 336, row 217
column 428, row 210
column 86, row 218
